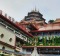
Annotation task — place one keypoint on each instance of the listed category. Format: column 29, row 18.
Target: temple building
column 19, row 37
column 12, row 35
column 48, row 34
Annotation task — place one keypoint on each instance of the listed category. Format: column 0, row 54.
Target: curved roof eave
column 4, row 18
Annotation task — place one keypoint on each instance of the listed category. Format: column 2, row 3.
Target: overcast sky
column 19, row 8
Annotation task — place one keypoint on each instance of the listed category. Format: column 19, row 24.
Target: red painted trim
column 56, row 22
column 34, row 26
column 41, row 46
column 17, row 26
column 27, row 46
column 44, row 30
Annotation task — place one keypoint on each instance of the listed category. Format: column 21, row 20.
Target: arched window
column 10, row 39
column 3, row 47
column 2, row 35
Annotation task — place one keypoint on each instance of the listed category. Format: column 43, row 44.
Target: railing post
column 1, row 12
column 12, row 54
column 6, row 15
column 1, row 52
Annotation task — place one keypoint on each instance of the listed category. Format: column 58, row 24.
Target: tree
column 51, row 21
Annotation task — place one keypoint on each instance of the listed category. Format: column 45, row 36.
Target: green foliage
column 51, row 21
column 52, row 41
column 1, row 54
column 27, row 44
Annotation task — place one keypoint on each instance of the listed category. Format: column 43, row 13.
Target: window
column 3, row 47
column 10, row 39
column 2, row 35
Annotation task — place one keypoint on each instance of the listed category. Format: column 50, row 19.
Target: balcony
column 10, row 53
column 51, row 41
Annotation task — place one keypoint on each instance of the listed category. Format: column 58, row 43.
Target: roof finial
column 38, row 10
column 35, row 8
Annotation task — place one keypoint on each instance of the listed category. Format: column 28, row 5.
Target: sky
column 18, row 9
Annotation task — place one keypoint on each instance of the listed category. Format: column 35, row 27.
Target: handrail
column 8, row 17
column 10, row 52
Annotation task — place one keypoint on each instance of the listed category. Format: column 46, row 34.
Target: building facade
column 19, row 37
column 12, row 36
column 47, row 34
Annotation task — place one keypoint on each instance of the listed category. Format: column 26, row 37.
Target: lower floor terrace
column 10, row 53
column 43, row 49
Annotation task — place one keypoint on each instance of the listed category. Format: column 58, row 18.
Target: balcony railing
column 10, row 52
column 8, row 17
